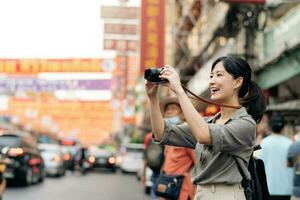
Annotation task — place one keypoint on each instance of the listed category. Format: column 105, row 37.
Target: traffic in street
column 95, row 185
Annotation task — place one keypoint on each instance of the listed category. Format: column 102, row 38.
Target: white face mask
column 174, row 120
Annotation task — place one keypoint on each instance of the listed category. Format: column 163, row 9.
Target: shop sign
column 152, row 33
column 110, row 28
column 119, row 12
column 34, row 66
column 120, row 45
column 32, row 84
column 283, row 35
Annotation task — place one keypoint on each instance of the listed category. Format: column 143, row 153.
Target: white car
column 54, row 159
column 132, row 157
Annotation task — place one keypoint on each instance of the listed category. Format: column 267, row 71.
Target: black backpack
column 256, row 188
column 154, row 155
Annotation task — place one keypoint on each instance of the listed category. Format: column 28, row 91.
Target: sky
column 52, row 28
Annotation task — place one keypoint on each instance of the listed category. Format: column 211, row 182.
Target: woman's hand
column 151, row 89
column 172, row 76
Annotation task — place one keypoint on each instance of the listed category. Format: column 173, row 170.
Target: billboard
column 13, row 84
column 34, row 66
column 119, row 12
column 152, row 33
column 120, row 45
column 110, row 28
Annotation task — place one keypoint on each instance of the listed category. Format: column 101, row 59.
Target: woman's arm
column 156, row 118
column 195, row 121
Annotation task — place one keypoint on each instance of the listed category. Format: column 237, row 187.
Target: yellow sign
column 34, row 66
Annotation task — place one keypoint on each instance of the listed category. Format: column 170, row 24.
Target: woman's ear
column 238, row 82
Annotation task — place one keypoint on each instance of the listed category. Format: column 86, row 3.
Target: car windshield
column 9, row 141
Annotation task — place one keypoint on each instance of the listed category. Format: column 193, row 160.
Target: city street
column 92, row 186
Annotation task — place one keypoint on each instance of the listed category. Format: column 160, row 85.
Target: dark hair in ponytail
column 250, row 93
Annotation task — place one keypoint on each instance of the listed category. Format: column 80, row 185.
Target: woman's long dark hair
column 250, row 93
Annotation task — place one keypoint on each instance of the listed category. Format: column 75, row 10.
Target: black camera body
column 152, row 75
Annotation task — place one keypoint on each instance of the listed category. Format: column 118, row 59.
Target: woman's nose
column 211, row 81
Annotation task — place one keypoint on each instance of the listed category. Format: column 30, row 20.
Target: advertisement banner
column 110, row 28
column 34, row 66
column 32, row 84
column 118, row 12
column 120, row 45
column 152, row 34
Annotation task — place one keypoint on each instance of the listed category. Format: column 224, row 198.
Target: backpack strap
column 240, row 169
column 242, row 172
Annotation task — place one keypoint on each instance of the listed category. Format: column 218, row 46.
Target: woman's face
column 222, row 84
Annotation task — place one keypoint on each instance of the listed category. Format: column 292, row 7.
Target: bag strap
column 240, row 168
column 256, row 147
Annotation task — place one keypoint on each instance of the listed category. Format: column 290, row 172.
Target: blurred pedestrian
column 297, row 135
column 156, row 167
column 178, row 160
column 219, row 140
column 274, row 153
column 293, row 158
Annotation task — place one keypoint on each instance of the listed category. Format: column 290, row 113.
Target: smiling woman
column 225, row 138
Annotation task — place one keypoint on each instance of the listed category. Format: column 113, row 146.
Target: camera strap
column 194, row 96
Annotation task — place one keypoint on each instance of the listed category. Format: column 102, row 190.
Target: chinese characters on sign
column 14, row 84
column 34, row 66
column 152, row 33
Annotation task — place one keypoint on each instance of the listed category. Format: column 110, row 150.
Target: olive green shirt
column 216, row 163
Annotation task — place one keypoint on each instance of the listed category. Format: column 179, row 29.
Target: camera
column 152, row 75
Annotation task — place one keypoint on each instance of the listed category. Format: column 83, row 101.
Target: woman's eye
column 211, row 76
column 219, row 74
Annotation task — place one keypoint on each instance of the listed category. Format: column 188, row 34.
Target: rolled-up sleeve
column 177, row 135
column 231, row 137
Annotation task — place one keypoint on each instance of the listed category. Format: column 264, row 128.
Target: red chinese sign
column 152, row 33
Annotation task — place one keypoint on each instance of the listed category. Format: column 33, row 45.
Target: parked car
column 132, row 157
column 26, row 163
column 102, row 158
column 54, row 159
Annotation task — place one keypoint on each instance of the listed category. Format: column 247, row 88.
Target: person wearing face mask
column 178, row 160
column 221, row 141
